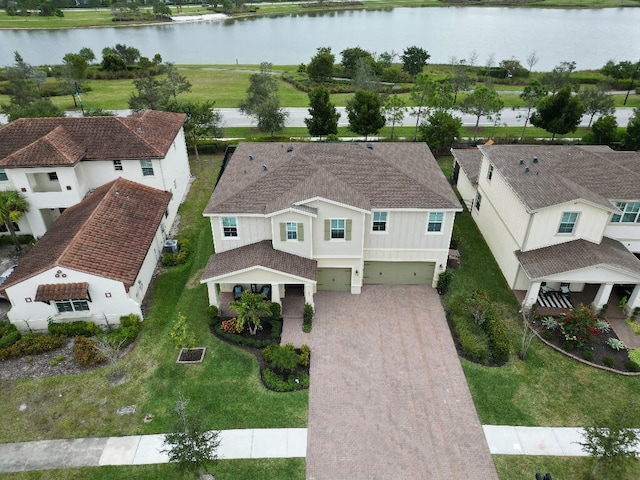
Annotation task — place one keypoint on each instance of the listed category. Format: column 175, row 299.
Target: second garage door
column 398, row 273
column 334, row 279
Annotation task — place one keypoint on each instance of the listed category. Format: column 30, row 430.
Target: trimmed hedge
column 307, row 318
column 73, row 329
column 9, row 334
column 32, row 344
column 273, row 381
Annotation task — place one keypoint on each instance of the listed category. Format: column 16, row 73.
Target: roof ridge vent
column 251, row 157
column 521, row 161
column 526, row 169
column 264, row 168
column 535, row 159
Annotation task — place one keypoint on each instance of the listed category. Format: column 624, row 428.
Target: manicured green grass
column 520, row 467
column 226, row 387
column 272, row 469
column 72, row 18
column 548, row 389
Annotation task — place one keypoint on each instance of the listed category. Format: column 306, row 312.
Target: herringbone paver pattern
column 388, row 398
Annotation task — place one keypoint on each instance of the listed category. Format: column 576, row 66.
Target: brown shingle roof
column 107, row 234
column 62, row 291
column 566, row 173
column 388, row 175
column 576, row 255
column 470, row 161
column 30, row 142
column 259, row 254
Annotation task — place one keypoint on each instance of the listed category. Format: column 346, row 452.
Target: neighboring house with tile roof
column 557, row 216
column 95, row 262
column 56, row 162
column 329, row 216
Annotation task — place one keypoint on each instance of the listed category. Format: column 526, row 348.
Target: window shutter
column 327, row 229
column 301, row 232
column 348, row 229
column 283, row 231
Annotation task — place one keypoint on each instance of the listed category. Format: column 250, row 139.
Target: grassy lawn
column 515, row 467
column 272, row 469
column 226, row 387
column 548, row 389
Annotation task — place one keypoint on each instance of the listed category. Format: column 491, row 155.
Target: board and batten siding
column 407, row 230
column 251, row 229
column 302, row 246
column 466, row 189
column 590, row 225
column 336, row 247
column 626, row 233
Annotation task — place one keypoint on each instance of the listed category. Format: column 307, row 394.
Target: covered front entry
column 334, row 279
column 398, row 273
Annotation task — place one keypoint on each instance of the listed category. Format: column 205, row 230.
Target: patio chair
column 564, row 288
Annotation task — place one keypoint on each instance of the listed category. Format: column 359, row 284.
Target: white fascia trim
column 406, row 250
column 337, row 256
column 423, row 210
column 290, row 210
column 333, row 202
column 251, row 269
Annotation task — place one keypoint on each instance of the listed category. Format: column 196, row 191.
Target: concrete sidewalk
column 251, row 443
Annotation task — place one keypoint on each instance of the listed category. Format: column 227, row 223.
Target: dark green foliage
column 9, row 334
column 620, row 70
column 444, row 280
column 126, row 333
column 351, row 57
column 307, row 317
column 275, row 382
column 73, row 329
column 632, row 135
column 320, row 67
column 414, row 59
column 131, row 320
column 324, row 117
column 568, row 345
column 285, row 358
column 276, row 330
column 609, row 361
column 499, row 343
column 440, row 130
column 587, row 355
column 113, row 63
column 32, row 344
column 547, row 335
column 632, row 366
column 276, row 310
column 178, row 258
column 604, row 131
column 365, row 113
column 213, row 313
column 455, row 237
column 559, row 113
column 22, row 239
column 86, row 352
column 482, row 102
column 305, row 355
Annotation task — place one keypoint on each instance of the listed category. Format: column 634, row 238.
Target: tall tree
column 596, row 100
column 249, row 308
column 272, row 118
column 604, row 131
column 560, row 113
column 261, row 86
column 365, row 77
column 459, row 79
column 632, row 135
column 428, row 94
column 482, row 102
column 12, row 207
column 324, row 117
column 150, row 94
column 351, row 58
column 365, row 113
column 531, row 95
column 394, row 110
column 414, row 59
column 74, row 72
column 320, row 68
column 175, row 83
column 559, row 77
column 87, row 54
column 440, row 130
column 532, row 59
column 202, row 120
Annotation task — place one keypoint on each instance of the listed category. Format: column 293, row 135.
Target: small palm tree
column 249, row 307
column 13, row 206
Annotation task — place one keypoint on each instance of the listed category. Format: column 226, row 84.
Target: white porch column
column 532, row 295
column 633, row 301
column 275, row 293
column 214, row 298
column 308, row 294
column 602, row 297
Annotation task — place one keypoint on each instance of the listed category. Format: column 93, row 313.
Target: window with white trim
column 292, row 231
column 490, row 172
column 117, row 165
column 435, row 222
column 379, row 222
column 568, row 222
column 337, row 228
column 229, row 227
column 478, row 201
column 147, row 167
column 73, row 305
column 3, row 175
column 630, row 213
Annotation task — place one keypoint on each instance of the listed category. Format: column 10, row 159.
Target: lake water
column 588, row 37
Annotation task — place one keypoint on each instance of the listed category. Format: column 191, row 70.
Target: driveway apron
column 388, row 398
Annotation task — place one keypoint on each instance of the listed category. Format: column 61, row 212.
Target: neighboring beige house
column 557, row 217
column 329, row 216
column 95, row 262
column 56, row 162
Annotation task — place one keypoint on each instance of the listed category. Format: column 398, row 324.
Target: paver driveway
column 388, row 398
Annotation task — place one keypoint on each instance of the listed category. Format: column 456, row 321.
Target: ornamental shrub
column 444, row 281
column 9, row 334
column 634, row 355
column 86, row 352
column 129, row 320
column 580, row 325
column 609, row 361
column 587, row 355
column 73, row 329
column 276, row 310
column 305, row 354
column 273, row 381
column 632, row 366
column 307, row 317
column 33, row 344
column 285, row 358
column 231, row 326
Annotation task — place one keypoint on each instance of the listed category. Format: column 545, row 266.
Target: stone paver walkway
column 388, row 398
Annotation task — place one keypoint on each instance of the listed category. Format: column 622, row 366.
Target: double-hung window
column 478, row 201
column 379, row 222
column 435, row 222
column 337, row 228
column 292, row 231
column 147, row 168
column 229, row 227
column 630, row 213
column 117, row 165
column 490, row 172
column 568, row 222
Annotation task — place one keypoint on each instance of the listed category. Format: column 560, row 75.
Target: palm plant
column 13, row 206
column 249, row 307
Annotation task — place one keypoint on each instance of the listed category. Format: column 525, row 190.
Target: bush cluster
column 126, row 333
column 307, row 317
column 32, row 344
column 275, row 382
column 212, row 146
column 284, row 361
column 22, row 240
column 178, row 258
column 86, row 352
column 276, row 330
column 9, row 334
column 73, row 329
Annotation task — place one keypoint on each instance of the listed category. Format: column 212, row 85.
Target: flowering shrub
column 231, row 326
column 580, row 325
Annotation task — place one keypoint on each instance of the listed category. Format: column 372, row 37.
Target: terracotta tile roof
column 470, row 161
column 259, row 254
column 62, row 291
column 576, row 255
column 29, row 142
column 566, row 173
column 388, row 175
column 107, row 234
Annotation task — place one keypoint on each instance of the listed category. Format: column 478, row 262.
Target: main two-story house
column 328, row 216
column 557, row 218
column 56, row 162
